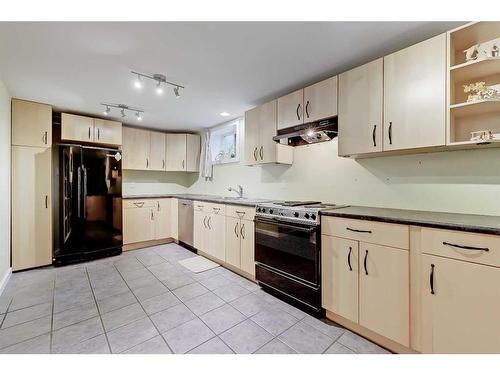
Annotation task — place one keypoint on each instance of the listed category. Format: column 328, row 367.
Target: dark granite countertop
column 443, row 220
column 201, row 197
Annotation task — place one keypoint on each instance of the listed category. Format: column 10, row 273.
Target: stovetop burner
column 304, row 212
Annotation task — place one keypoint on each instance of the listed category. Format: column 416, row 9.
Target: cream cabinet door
column 31, row 124
column 252, row 137
column 267, row 122
column 233, row 252
column 339, row 276
column 138, row 224
column 157, row 153
column 162, row 216
column 290, row 109
column 193, row 147
column 77, row 128
column 415, row 96
column 320, row 100
column 108, row 132
column 31, row 207
column 176, row 152
column 199, row 231
column 174, row 218
column 361, row 92
column 247, row 234
column 384, row 291
column 216, row 236
column 462, row 316
column 135, row 148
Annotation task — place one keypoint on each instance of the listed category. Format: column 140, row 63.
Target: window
column 224, row 142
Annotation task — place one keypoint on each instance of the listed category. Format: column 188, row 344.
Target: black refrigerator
column 89, row 210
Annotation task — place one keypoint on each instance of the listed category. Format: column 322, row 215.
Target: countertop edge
column 201, row 199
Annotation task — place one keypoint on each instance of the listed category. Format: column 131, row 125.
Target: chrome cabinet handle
column 152, row 217
column 163, row 164
column 236, row 229
column 261, row 152
column 45, row 138
column 204, row 222
column 307, row 109
column 431, row 279
column 390, row 132
column 464, row 247
column 158, row 203
column 46, row 201
column 373, row 136
column 183, row 164
column 208, row 222
column 242, row 231
column 139, row 204
column 364, row 262
column 216, row 209
column 349, row 258
column 358, row 230
column 255, row 154
column 89, row 132
column 147, row 162
column 98, row 133
column 297, row 111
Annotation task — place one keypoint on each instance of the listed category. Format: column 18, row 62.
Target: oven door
column 289, row 248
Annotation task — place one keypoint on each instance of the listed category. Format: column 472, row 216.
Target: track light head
column 176, row 92
column 139, row 116
column 123, row 112
column 138, row 82
column 159, row 88
column 107, row 111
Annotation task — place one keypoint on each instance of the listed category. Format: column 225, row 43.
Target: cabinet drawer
column 471, row 247
column 394, row 235
column 240, row 212
column 215, row 208
column 199, row 206
column 139, row 203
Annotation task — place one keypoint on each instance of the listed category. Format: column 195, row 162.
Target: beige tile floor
column 143, row 301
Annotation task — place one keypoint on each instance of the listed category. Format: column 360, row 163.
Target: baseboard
column 5, row 280
column 141, row 245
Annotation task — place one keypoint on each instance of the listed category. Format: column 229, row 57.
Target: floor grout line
column 52, row 316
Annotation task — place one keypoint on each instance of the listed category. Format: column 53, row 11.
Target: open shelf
column 470, row 34
column 475, row 69
column 475, row 108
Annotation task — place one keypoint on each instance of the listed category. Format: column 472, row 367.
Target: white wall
column 459, row 181
column 148, row 182
column 4, row 182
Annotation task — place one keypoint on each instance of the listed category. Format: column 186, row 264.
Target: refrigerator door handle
column 84, row 192
column 79, row 188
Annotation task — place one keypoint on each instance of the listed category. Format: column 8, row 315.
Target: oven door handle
column 286, row 225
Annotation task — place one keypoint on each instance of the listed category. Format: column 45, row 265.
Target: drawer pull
column 358, row 230
column 216, row 209
column 431, row 280
column 364, row 262
column 349, row 258
column 139, row 204
column 466, row 247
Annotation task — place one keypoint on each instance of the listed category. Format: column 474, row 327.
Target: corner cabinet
column 31, row 124
column 415, row 96
column 183, row 152
column 260, row 128
column 361, row 95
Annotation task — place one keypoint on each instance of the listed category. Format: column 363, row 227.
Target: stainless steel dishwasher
column 186, row 223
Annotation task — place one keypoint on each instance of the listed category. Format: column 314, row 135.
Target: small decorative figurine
column 471, row 52
column 479, row 91
column 481, row 135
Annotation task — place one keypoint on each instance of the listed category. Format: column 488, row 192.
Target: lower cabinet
column 146, row 220
column 460, row 306
column 240, row 243
column 31, row 207
column 209, row 229
column 384, row 293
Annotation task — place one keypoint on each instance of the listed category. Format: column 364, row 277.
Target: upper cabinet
column 156, row 151
column 361, row 93
column 313, row 103
column 260, row 128
column 415, row 96
column 87, row 129
column 31, row 124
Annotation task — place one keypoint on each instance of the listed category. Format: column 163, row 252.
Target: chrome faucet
column 238, row 191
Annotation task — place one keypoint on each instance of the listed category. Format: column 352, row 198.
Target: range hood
column 305, row 134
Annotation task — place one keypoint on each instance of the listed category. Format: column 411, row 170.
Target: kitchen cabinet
column 209, row 229
column 174, row 218
column 135, row 149
column 339, row 259
column 162, row 219
column 260, row 128
column 361, row 109
column 200, row 235
column 176, row 152
column 320, row 100
column 415, row 96
column 146, row 220
column 384, row 295
column 216, row 223
column 107, row 132
column 290, row 109
column 31, row 124
column 193, row 148
column 240, row 241
column 31, row 207
column 157, row 153
column 460, row 306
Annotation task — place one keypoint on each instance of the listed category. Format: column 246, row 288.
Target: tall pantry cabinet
column 31, row 184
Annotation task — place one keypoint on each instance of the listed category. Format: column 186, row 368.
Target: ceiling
column 225, row 66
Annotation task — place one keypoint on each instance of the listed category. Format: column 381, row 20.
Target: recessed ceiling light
column 224, row 114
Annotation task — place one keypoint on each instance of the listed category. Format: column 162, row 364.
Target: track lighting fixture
column 122, row 108
column 161, row 81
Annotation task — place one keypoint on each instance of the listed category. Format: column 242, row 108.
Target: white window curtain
column 206, row 157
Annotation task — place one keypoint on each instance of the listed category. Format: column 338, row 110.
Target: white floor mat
column 198, row 264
